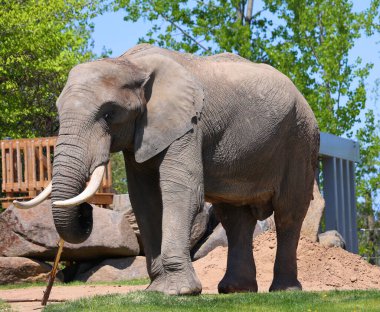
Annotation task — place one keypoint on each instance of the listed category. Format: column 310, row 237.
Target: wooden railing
column 27, row 170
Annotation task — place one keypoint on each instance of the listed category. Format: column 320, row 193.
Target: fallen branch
column 53, row 273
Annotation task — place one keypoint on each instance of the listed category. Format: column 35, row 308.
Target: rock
column 121, row 203
column 332, row 239
column 199, row 227
column 218, row 238
column 266, row 225
column 110, row 270
column 200, row 224
column 310, row 226
column 31, row 233
column 19, row 270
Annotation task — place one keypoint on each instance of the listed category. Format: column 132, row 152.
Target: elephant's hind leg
column 239, row 224
column 290, row 210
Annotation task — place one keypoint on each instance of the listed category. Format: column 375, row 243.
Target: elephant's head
column 131, row 103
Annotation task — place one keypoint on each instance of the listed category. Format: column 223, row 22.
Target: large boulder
column 20, row 270
column 200, row 224
column 332, row 238
column 219, row 237
column 111, row 270
column 122, row 204
column 310, row 226
column 31, row 233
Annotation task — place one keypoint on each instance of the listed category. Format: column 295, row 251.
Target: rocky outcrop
column 201, row 222
column 20, row 270
column 332, row 239
column 122, row 204
column 216, row 239
column 31, row 233
column 313, row 217
column 111, row 270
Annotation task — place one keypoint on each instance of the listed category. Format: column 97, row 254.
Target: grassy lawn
column 142, row 281
column 4, row 307
column 278, row 302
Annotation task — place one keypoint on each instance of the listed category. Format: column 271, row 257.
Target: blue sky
column 112, row 32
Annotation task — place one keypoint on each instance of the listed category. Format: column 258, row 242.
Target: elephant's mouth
column 82, row 221
column 73, row 216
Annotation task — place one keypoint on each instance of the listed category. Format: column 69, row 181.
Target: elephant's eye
column 107, row 116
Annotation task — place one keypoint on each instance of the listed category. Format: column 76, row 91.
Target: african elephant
column 217, row 128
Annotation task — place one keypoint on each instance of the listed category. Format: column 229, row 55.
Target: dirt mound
column 319, row 267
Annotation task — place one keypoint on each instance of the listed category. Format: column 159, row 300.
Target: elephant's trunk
column 70, row 172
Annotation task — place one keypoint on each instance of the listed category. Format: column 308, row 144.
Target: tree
column 40, row 42
column 119, row 177
column 367, row 187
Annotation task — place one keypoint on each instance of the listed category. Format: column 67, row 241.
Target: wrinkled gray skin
column 220, row 128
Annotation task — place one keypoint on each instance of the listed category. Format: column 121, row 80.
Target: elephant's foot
column 178, row 283
column 285, row 285
column 242, row 283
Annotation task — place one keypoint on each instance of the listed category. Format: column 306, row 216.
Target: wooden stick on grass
column 53, row 273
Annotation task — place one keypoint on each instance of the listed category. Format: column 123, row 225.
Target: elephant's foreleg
column 145, row 195
column 181, row 182
column 239, row 224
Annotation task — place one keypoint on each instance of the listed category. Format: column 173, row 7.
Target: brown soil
column 319, row 268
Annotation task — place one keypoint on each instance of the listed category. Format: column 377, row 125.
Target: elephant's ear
column 174, row 103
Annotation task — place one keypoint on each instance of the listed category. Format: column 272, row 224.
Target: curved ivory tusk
column 35, row 201
column 90, row 190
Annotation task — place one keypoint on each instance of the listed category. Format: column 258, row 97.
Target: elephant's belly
column 241, row 178
column 239, row 199
column 259, row 199
column 238, row 192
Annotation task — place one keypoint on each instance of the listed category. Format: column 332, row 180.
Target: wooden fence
column 27, row 170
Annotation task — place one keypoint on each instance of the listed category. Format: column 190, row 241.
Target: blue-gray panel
column 330, row 193
column 354, row 226
column 334, row 146
column 339, row 195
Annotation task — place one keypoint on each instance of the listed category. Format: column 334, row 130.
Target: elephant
column 192, row 129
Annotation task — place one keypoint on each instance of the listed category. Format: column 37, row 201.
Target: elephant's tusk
column 90, row 190
column 35, row 201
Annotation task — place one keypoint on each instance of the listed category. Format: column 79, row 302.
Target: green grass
column 265, row 302
column 141, row 281
column 4, row 307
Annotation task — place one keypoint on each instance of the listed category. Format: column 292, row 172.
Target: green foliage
column 279, row 301
column 367, row 187
column 40, row 42
column 119, row 177
column 5, row 307
column 368, row 178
